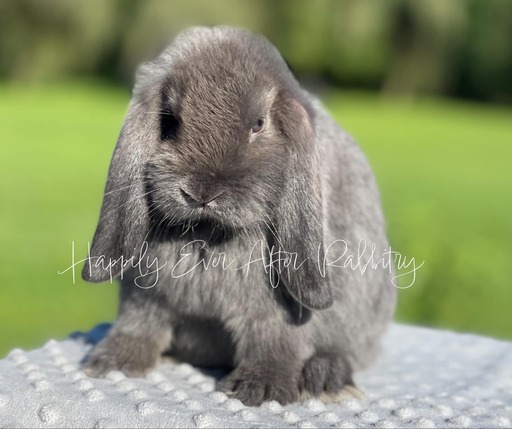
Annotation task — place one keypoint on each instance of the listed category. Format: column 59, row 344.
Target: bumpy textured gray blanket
column 425, row 378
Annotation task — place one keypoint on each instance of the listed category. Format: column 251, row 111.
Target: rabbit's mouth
column 202, row 201
column 205, row 229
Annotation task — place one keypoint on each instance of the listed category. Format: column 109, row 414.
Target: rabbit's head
column 218, row 132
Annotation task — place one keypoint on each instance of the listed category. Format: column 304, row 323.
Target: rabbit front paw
column 132, row 356
column 256, row 383
column 329, row 378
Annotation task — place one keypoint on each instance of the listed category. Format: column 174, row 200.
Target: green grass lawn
column 446, row 182
column 442, row 166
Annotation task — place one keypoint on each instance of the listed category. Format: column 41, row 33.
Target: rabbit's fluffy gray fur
column 223, row 153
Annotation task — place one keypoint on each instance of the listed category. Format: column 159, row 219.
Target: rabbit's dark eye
column 169, row 125
column 258, row 126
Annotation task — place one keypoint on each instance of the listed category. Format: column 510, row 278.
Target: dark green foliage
column 456, row 47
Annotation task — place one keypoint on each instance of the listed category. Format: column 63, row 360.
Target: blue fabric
column 424, row 378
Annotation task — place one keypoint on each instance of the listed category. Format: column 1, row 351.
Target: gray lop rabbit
column 233, row 205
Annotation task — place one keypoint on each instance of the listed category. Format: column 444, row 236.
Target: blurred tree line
column 458, row 48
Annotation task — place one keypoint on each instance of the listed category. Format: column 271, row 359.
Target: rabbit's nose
column 199, row 198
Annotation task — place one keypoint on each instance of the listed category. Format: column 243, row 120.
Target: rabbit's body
column 218, row 302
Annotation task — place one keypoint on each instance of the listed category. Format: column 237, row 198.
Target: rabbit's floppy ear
column 123, row 222
column 298, row 220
